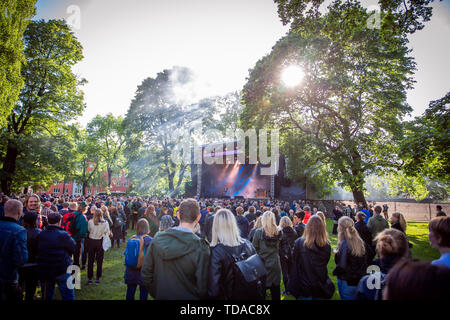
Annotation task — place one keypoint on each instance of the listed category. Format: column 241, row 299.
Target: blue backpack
column 135, row 251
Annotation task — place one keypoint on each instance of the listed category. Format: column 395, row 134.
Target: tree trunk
column 9, row 167
column 358, row 197
column 109, row 176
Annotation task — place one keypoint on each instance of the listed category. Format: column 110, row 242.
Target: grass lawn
column 113, row 287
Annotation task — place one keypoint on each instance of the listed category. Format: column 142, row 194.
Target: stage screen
column 231, row 180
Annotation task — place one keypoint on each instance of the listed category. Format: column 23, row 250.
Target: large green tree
column 49, row 99
column 14, row 18
column 108, row 134
column 350, row 105
column 154, row 115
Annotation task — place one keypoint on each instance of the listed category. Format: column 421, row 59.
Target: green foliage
column 14, row 18
column 107, row 134
column 425, row 149
column 152, row 123
column 406, row 16
column 49, row 99
column 351, row 102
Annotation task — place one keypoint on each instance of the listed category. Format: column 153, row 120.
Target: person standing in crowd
column 392, row 246
column 439, row 212
column 377, row 223
column 439, row 235
column 165, row 223
column 306, row 210
column 55, row 249
column 117, row 227
column 153, row 222
column 337, row 214
column 299, row 226
column 266, row 242
column 366, row 236
column 242, row 222
column 106, row 215
column 13, row 250
column 288, row 237
column 226, row 243
column 121, row 213
column 64, row 209
column 276, row 213
column 135, row 206
column 98, row 228
column 81, row 226
column 385, row 211
column 176, row 265
column 258, row 224
column 133, row 275
column 309, row 277
column 142, row 209
column 351, row 259
column 250, row 214
column 28, row 273
column 417, row 281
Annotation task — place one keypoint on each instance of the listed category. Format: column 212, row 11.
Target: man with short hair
column 250, row 214
column 64, row 209
column 55, row 248
column 176, row 264
column 440, row 213
column 13, row 250
column 377, row 223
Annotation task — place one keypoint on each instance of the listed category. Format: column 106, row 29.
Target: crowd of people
column 204, row 248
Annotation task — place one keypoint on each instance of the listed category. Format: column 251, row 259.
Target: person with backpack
column 309, row 278
column 266, row 242
column 55, row 249
column 98, row 229
column 75, row 224
column 176, row 264
column 351, row 259
column 225, row 279
column 288, row 237
column 137, row 247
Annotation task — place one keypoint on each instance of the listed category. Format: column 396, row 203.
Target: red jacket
column 307, row 216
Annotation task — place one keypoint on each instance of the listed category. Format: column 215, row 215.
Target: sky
column 127, row 41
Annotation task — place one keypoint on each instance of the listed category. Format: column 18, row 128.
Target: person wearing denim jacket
column 13, row 250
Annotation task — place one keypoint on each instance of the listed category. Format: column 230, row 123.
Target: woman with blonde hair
column 266, row 242
column 98, row 228
column 391, row 247
column 398, row 222
column 256, row 226
column 225, row 245
column 106, row 215
column 309, row 277
column 322, row 216
column 351, row 261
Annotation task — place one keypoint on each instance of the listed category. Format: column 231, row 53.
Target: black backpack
column 118, row 222
column 249, row 277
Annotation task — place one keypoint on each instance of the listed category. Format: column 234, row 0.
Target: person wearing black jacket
column 55, row 248
column 337, row 214
column 351, row 261
column 309, row 279
column 288, row 237
column 226, row 243
column 299, row 226
column 28, row 273
column 365, row 235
